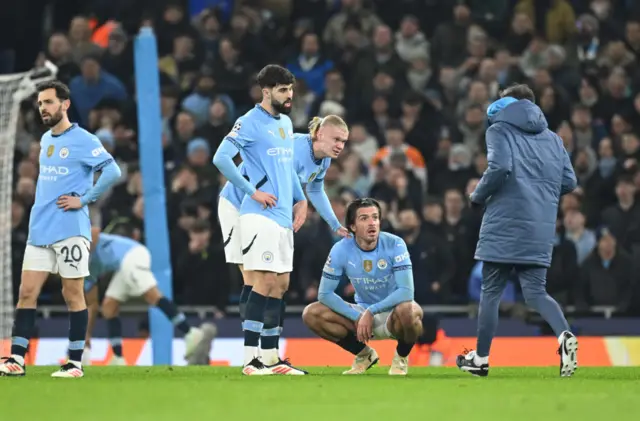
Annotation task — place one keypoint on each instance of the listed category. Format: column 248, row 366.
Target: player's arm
column 298, row 193
column 499, row 167
column 569, row 181
column 96, row 157
column 331, row 275
column 320, row 201
column 403, row 274
column 237, row 139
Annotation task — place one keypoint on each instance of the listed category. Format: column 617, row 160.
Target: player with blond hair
column 312, row 157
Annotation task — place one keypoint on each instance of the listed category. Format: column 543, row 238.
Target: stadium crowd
column 413, row 79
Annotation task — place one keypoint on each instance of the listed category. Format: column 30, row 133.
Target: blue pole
column 153, row 191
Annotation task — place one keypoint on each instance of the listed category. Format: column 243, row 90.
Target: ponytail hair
column 330, row 120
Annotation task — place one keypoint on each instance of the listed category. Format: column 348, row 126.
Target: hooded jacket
column 529, row 169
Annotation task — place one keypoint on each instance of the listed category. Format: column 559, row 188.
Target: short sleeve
column 241, row 134
column 334, row 266
column 93, row 154
column 401, row 259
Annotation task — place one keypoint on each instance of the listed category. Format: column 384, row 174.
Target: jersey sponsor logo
column 98, row 151
column 53, row 170
column 401, row 257
column 280, row 151
column 50, row 150
column 367, row 265
column 382, row 264
column 64, row 153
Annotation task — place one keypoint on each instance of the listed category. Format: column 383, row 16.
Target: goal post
column 14, row 88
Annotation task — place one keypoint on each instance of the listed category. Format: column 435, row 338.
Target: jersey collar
column 367, row 251
column 73, row 126
column 275, row 117
column 313, row 158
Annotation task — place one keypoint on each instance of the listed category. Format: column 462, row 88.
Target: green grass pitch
column 221, row 394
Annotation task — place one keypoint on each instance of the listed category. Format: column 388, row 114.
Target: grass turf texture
column 215, row 393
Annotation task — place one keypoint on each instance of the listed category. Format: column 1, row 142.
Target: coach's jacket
column 529, row 169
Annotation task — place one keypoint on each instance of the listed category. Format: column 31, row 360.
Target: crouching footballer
column 379, row 267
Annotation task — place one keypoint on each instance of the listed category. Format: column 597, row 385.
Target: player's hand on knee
column 69, row 202
column 364, row 327
column 265, row 199
column 299, row 215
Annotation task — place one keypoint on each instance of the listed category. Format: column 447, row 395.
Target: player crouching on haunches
column 378, row 266
column 130, row 263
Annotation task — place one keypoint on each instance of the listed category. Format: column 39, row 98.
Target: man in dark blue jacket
column 529, row 169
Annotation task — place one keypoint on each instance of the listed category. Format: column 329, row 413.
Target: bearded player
column 59, row 228
column 312, row 157
column 268, row 219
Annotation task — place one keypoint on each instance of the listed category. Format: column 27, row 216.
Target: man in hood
column 528, row 170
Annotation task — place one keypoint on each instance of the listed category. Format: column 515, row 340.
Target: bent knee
column 312, row 313
column 407, row 313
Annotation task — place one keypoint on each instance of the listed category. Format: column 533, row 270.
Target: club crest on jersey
column 64, row 152
column 367, row 265
column 50, row 150
column 282, row 134
column 382, row 264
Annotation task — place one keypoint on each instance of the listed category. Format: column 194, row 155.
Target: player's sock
column 270, row 334
column 170, row 310
column 283, row 312
column 114, row 330
column 403, row 349
column 253, row 324
column 77, row 331
column 242, row 304
column 351, row 344
column 21, row 332
column 478, row 360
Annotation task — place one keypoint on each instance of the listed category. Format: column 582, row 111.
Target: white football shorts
column 229, row 218
column 266, row 245
column 69, row 258
column 380, row 321
column 134, row 277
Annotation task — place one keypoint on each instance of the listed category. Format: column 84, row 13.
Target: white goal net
column 14, row 88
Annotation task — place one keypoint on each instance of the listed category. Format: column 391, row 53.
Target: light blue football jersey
column 370, row 272
column 68, row 162
column 107, row 256
column 265, row 143
column 232, row 193
column 306, row 166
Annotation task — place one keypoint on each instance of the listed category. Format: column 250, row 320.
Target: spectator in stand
column 607, row 278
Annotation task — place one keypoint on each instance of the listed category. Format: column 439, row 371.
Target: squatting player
column 130, row 263
column 312, row 154
column 59, row 228
column 264, row 139
column 379, row 267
